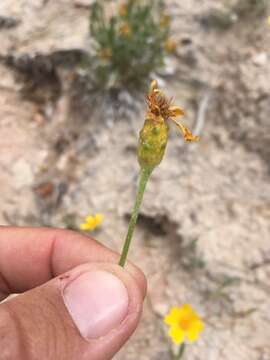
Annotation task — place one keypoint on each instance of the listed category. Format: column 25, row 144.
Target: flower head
column 105, row 53
column 185, row 324
column 170, row 45
column 91, row 222
column 125, row 29
column 154, row 134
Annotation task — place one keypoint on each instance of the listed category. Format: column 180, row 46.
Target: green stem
column 144, row 176
column 181, row 351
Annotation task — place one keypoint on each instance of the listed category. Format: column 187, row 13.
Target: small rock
column 23, row 174
column 170, row 67
column 39, row 118
column 83, row 3
column 260, row 59
column 45, row 189
column 160, row 309
column 125, row 97
column 8, row 22
column 186, row 40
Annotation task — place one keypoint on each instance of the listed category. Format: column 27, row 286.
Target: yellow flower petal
column 173, row 317
column 177, row 334
column 91, row 222
column 176, row 111
column 84, row 226
column 98, row 219
column 125, row 29
column 188, row 136
column 153, row 86
column 195, row 330
column 192, row 335
column 90, row 219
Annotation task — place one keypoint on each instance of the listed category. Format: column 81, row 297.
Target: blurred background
column 73, row 75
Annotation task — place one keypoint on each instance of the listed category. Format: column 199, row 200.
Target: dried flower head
column 165, row 20
column 154, row 134
column 91, row 222
column 125, row 29
column 185, row 324
column 105, row 53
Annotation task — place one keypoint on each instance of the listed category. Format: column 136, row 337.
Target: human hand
column 76, row 302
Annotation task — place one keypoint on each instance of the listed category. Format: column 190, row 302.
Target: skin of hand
column 74, row 301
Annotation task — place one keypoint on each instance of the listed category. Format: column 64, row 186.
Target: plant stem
column 181, row 351
column 144, row 176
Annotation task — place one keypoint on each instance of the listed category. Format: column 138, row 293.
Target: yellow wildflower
column 105, row 53
column 268, row 20
column 170, row 45
column 165, row 21
column 154, row 134
column 92, row 222
column 123, row 9
column 125, row 29
column 185, row 324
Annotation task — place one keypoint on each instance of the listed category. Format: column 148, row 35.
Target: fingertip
column 105, row 302
column 139, row 276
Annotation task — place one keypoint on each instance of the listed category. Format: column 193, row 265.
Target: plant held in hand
column 152, row 144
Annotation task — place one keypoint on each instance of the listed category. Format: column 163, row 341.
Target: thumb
column 87, row 313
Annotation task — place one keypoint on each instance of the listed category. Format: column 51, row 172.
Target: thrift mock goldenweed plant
column 91, row 222
column 152, row 145
column 185, row 325
column 130, row 43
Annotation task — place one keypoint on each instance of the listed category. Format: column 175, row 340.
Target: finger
column 31, row 256
column 87, row 313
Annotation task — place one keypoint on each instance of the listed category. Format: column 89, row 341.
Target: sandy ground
column 203, row 237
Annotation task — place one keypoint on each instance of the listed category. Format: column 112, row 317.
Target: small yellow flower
column 92, row 222
column 165, row 21
column 125, row 29
column 185, row 324
column 170, row 45
column 268, row 20
column 105, row 53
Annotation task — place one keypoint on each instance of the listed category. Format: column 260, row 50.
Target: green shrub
column 129, row 44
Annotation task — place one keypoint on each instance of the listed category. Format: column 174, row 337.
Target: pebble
column 23, row 174
column 260, row 59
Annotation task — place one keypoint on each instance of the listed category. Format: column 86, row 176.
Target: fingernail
column 97, row 302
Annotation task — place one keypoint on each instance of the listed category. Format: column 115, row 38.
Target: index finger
column 30, row 257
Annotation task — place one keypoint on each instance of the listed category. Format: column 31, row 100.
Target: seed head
column 154, row 134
